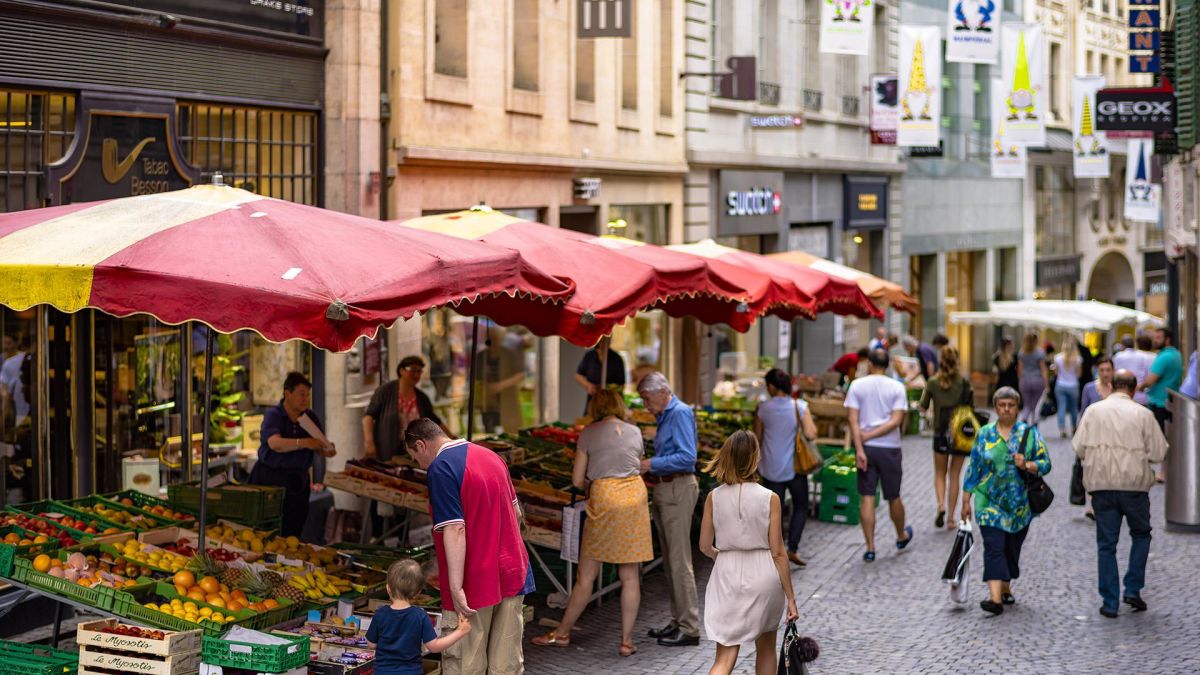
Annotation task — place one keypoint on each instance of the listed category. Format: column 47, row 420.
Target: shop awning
column 235, row 260
column 828, row 293
column 880, row 290
column 614, row 277
column 1077, row 315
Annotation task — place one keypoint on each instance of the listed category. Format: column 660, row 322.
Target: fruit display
column 86, row 571
column 188, row 610
column 152, row 556
column 38, row 527
column 133, row 631
column 269, row 585
column 567, row 436
column 316, row 585
column 159, row 510
column 25, row 538
column 186, row 547
column 294, row 549
column 80, row 523
column 129, row 519
column 247, row 538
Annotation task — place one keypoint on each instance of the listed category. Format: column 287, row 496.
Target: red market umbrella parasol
column 615, row 277
column 878, row 289
column 235, row 260
column 829, row 293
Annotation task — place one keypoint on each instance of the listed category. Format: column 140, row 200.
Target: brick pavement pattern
column 895, row 615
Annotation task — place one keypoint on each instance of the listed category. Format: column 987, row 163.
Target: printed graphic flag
column 885, row 110
column 846, row 26
column 1090, row 145
column 920, row 91
column 1008, row 158
column 1023, row 67
column 973, row 31
column 1142, row 198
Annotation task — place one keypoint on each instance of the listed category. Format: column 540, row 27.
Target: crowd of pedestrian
column 753, row 521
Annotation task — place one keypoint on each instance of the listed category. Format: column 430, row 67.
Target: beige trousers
column 673, row 508
column 493, row 647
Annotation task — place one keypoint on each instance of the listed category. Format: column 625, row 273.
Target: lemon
column 217, row 616
column 151, row 605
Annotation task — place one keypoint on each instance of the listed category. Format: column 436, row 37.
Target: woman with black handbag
column 1004, row 479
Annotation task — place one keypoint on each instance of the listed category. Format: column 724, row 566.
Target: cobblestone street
column 895, row 615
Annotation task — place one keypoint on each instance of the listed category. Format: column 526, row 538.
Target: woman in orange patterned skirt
column 617, row 528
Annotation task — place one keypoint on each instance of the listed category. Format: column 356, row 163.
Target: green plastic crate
column 49, row 506
column 26, row 659
column 75, row 534
column 100, row 597
column 839, row 496
column 254, row 657
column 143, row 502
column 913, row 426
column 148, row 521
column 8, row 552
column 244, row 503
column 129, row 603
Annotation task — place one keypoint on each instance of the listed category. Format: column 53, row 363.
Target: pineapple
column 274, row 578
column 284, row 590
column 204, row 565
column 269, row 585
column 232, row 576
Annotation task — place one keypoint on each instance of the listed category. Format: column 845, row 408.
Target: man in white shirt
column 1137, row 361
column 877, row 405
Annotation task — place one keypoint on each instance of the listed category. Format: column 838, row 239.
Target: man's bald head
column 1124, row 380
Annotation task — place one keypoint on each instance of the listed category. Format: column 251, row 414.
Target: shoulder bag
column 1040, row 494
column 964, row 423
column 805, row 460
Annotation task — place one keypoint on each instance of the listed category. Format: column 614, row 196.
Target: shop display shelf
column 255, row 657
column 23, row 659
column 145, row 502
column 9, row 552
column 147, row 521
column 249, row 504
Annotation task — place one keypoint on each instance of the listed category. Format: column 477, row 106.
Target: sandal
column 628, row 649
column 551, row 639
column 940, row 520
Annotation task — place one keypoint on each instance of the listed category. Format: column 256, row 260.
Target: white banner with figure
column 1091, row 145
column 1008, row 158
column 847, row 26
column 1023, row 68
column 920, row 86
column 1142, row 197
column 973, row 31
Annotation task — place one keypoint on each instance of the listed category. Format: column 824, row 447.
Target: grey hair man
column 672, row 470
column 926, row 355
column 1119, row 441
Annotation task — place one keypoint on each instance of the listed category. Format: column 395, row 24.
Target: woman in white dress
column 750, row 582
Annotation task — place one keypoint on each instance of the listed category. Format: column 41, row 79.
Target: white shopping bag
column 572, row 530
column 960, row 585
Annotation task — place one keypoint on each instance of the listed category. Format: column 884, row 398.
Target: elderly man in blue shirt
column 673, row 470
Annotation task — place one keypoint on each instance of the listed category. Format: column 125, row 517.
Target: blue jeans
column 1068, row 402
column 1110, row 506
column 798, row 486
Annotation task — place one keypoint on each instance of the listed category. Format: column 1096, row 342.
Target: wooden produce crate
column 133, row 662
column 173, row 642
column 827, row 407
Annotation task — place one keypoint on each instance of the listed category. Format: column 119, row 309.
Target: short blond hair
column 405, row 580
column 737, row 460
column 605, row 403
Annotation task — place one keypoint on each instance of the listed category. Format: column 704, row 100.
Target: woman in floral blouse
column 1001, row 503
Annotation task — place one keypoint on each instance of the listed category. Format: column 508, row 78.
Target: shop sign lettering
column 753, row 202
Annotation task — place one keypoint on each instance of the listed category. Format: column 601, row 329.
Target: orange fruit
column 215, row 601
column 235, row 606
column 12, row 538
column 210, row 585
column 270, row 603
column 239, row 596
column 196, row 594
column 185, row 578
column 41, row 539
column 42, row 563
column 180, row 589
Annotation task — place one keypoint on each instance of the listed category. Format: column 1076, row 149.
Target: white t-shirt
column 876, row 397
column 1137, row 362
column 1067, row 376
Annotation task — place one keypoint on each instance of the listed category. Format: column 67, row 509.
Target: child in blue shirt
column 398, row 631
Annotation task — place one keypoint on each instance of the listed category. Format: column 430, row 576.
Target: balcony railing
column 812, row 100
column 768, row 93
column 850, row 106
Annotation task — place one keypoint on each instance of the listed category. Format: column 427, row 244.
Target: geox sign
column 1135, row 109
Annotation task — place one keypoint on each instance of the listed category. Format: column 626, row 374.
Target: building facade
column 835, row 194
column 106, row 100
column 500, row 103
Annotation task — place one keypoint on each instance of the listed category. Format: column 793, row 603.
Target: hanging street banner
column 1144, row 109
column 1142, row 198
column 847, row 26
column 973, row 31
column 920, row 80
column 1008, row 158
column 1091, row 146
column 885, row 109
column 1023, row 68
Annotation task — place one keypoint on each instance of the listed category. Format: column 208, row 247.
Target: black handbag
column 796, row 652
column 1078, row 493
column 1040, row 494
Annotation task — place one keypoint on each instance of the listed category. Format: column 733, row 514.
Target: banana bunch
column 317, row 584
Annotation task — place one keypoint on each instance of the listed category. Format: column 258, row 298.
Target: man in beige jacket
column 1119, row 441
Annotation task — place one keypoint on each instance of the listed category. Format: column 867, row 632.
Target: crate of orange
column 254, row 612
column 86, row 586
column 18, row 541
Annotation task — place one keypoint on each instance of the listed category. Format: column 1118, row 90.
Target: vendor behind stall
column 847, row 364
column 285, row 457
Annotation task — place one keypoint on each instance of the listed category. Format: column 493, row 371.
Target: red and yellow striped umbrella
column 235, row 260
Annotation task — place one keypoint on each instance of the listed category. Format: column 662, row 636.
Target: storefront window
column 644, row 222
column 18, row 410
column 270, row 152
column 1055, row 194
column 36, row 128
